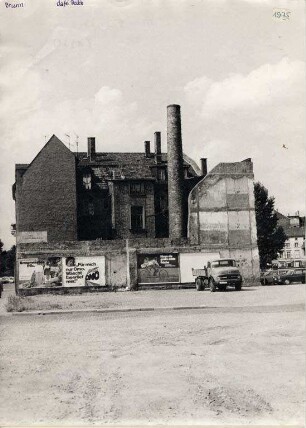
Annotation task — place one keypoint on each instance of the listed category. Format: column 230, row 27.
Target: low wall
column 86, row 266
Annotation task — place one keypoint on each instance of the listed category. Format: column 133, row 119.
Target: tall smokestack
column 175, row 172
column 157, row 147
column 147, row 149
column 204, row 166
column 91, row 147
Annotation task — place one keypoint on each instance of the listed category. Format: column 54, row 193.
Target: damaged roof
column 127, row 165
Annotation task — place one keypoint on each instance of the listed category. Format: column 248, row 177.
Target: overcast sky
column 109, row 69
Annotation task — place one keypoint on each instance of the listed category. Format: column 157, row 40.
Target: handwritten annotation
column 65, row 3
column 13, row 5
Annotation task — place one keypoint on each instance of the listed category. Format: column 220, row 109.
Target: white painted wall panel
column 196, row 261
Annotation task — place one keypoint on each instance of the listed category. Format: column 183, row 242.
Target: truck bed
column 199, row 272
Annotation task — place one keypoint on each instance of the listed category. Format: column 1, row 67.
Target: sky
column 109, row 68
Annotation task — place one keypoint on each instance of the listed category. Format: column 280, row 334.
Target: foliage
column 16, row 304
column 270, row 236
column 7, row 260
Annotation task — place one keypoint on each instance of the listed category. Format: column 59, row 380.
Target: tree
column 10, row 260
column 7, row 260
column 270, row 236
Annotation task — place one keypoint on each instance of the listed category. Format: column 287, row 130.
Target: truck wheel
column 238, row 287
column 204, row 283
column 222, row 287
column 198, row 283
column 212, row 285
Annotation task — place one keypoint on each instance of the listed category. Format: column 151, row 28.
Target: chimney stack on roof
column 91, row 147
column 157, row 144
column 147, row 149
column 175, row 172
column 204, row 166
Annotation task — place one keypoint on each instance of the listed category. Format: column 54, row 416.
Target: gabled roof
column 53, row 140
column 294, row 232
column 129, row 165
column 281, row 216
column 233, row 168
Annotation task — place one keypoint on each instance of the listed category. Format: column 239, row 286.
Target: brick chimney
column 157, row 147
column 204, row 166
column 91, row 147
column 147, row 149
column 175, row 172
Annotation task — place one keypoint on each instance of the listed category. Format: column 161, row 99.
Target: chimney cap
column 174, row 105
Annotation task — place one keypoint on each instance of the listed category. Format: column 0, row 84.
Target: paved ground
column 219, row 365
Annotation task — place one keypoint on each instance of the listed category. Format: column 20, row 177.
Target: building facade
column 97, row 195
column 99, row 219
column 222, row 213
column 294, row 228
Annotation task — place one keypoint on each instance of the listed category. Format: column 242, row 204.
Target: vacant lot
column 220, row 366
column 249, row 296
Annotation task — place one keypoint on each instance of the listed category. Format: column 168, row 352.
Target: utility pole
column 128, row 277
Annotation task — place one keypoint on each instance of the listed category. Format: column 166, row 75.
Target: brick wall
column 46, row 194
column 122, row 203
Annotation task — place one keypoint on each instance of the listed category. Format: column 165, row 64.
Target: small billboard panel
column 161, row 268
column 40, row 272
column 84, row 271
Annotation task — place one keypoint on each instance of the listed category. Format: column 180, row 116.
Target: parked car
column 293, row 275
column 6, row 279
column 269, row 277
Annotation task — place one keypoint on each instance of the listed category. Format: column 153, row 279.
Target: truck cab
column 223, row 272
column 219, row 274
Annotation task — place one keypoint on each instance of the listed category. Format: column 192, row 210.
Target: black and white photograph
column 152, row 213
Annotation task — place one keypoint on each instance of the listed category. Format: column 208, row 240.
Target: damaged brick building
column 125, row 218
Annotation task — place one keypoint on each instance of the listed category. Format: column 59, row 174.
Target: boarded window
column 161, row 174
column 137, row 188
column 137, row 218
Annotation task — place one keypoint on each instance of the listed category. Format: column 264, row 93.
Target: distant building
column 294, row 228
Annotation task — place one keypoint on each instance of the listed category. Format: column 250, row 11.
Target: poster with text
column 84, row 271
column 158, row 268
column 40, row 272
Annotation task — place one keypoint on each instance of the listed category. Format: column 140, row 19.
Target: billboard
column 40, row 272
column 162, row 268
column 61, row 271
column 83, row 271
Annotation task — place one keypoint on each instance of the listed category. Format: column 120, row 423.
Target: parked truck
column 218, row 274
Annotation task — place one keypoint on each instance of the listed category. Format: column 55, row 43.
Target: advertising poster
column 158, row 268
column 83, row 271
column 40, row 272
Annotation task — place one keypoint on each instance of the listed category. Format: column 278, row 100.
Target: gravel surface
column 249, row 296
column 228, row 366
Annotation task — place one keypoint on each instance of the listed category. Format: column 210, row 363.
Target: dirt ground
column 222, row 366
column 249, row 296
